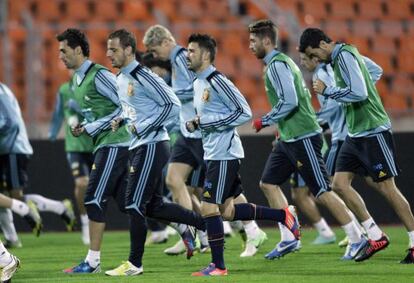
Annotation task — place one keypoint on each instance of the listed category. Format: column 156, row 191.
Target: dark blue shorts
column 13, row 171
column 222, row 181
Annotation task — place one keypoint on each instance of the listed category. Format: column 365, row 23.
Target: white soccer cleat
column 177, row 249
column 252, row 245
column 8, row 270
column 171, row 231
column 228, row 231
column 159, row 237
column 125, row 269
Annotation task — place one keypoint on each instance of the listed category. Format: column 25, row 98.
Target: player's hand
column 115, row 124
column 77, row 130
column 319, row 86
column 192, row 125
column 257, row 124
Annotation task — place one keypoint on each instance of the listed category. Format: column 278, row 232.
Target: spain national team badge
column 206, row 95
column 130, row 90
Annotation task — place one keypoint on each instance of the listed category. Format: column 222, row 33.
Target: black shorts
column 188, row 151
column 145, row 179
column 13, row 171
column 302, row 156
column 196, row 178
column 222, row 181
column 80, row 163
column 108, row 177
column 296, row 181
column 372, row 156
column 332, row 155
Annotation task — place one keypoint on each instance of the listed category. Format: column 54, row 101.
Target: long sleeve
column 106, row 86
column 186, row 77
column 168, row 105
column 233, row 100
column 7, row 123
column 57, row 118
column 355, row 89
column 373, row 68
column 281, row 79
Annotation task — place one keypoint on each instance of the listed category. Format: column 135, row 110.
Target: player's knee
column 172, row 181
column 95, row 213
column 81, row 183
column 265, row 187
column 228, row 215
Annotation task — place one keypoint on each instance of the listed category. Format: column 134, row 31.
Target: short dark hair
column 75, row 38
column 126, row 38
column 148, row 60
column 206, row 42
column 312, row 37
column 264, row 28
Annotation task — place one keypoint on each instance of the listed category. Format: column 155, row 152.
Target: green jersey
column 99, row 108
column 299, row 122
column 365, row 115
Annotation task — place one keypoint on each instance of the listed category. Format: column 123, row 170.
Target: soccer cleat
column 409, row 259
column 33, row 218
column 283, row 248
column 8, row 270
column 372, row 248
column 292, row 222
column 353, row 249
column 322, row 240
column 211, row 270
column 344, row 242
column 171, row 231
column 68, row 215
column 189, row 240
column 177, row 249
column 125, row 269
column 157, row 237
column 252, row 245
column 83, row 267
column 12, row 244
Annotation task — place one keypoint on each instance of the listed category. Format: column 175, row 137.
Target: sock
column 137, row 237
column 352, row 231
column 250, row 211
column 84, row 219
column 251, row 229
column 45, row 204
column 323, row 228
column 227, row 228
column 216, row 240
column 203, row 238
column 237, row 225
column 19, row 207
column 4, row 256
column 411, row 237
column 7, row 225
column 356, row 221
column 285, row 234
column 179, row 227
column 93, row 258
column 373, row 231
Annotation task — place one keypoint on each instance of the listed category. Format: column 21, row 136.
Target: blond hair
column 156, row 34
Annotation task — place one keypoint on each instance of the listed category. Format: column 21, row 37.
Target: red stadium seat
column 339, row 30
column 359, row 42
column 78, row 11
column 400, row 9
column 136, row 10
column 370, row 10
column 391, row 28
column 107, row 10
column 342, row 10
column 363, row 28
column 383, row 44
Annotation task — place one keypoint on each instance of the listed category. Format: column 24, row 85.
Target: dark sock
column 137, row 236
column 215, row 234
column 173, row 212
column 155, row 225
column 250, row 211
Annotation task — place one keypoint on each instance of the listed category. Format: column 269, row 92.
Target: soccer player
column 220, row 108
column 78, row 150
column 299, row 146
column 15, row 152
column 94, row 90
column 148, row 104
column 187, row 154
column 369, row 147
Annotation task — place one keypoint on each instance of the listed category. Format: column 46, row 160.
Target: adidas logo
column 299, row 164
column 93, row 166
column 132, row 170
column 382, row 174
column 206, row 194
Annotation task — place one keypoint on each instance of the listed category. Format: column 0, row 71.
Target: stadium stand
column 382, row 30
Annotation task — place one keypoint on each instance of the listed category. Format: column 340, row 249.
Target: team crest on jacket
column 206, row 95
column 130, row 90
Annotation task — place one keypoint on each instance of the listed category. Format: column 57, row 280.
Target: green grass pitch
column 44, row 258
